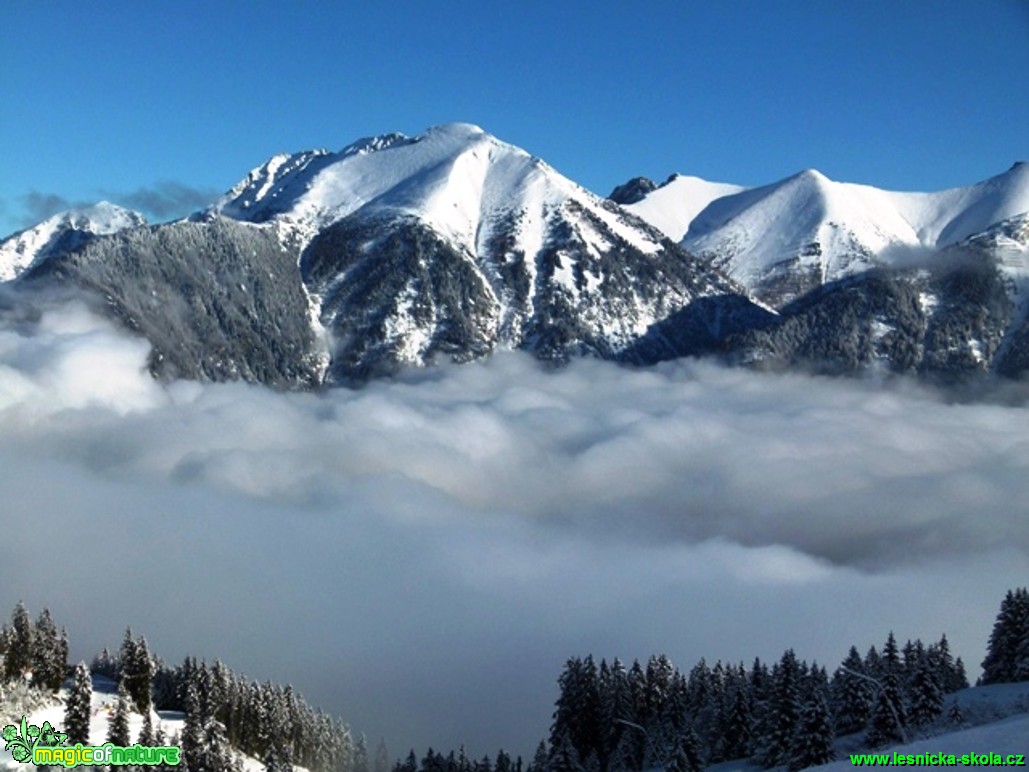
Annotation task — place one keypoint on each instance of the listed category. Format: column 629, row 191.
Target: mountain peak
column 62, row 232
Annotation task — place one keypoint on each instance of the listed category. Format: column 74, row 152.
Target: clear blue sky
column 122, row 99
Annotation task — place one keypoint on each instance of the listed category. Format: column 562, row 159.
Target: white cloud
column 422, row 555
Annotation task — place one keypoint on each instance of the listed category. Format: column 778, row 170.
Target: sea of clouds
column 422, row 555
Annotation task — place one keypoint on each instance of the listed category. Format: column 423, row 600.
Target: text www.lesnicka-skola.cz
column 937, row 760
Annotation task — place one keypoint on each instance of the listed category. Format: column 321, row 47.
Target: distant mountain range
column 324, row 267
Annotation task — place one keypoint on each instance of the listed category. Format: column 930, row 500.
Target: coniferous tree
column 48, row 666
column 105, row 664
column 954, row 716
column 888, row 716
column 146, row 732
column 361, row 754
column 960, row 678
column 118, row 724
column 926, row 695
column 873, row 662
column 191, row 739
column 616, row 708
column 685, row 756
column 783, row 712
column 382, row 757
column 137, row 671
column 738, row 734
column 852, row 695
column 1007, row 654
column 577, row 712
column 77, row 706
column 563, row 756
column 18, row 657
column 813, row 743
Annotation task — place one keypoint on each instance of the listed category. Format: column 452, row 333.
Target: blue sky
column 161, row 105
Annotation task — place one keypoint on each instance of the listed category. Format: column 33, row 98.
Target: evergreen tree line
column 458, row 762
column 610, row 718
column 224, row 710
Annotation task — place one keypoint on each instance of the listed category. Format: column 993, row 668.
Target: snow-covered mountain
column 61, row 233
column 783, row 239
column 453, row 243
column 400, row 251
column 395, row 251
column 672, row 206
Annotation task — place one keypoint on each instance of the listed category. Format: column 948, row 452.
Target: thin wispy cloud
column 165, row 200
column 162, row 201
column 392, row 549
column 39, row 206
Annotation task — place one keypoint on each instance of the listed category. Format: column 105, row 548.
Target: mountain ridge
column 334, row 267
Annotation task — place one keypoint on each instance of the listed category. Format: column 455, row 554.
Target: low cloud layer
column 422, row 555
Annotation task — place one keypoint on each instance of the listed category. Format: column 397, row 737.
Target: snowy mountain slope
column 671, row 207
column 456, row 179
column 60, row 233
column 453, row 242
column 784, row 239
column 217, row 300
column 996, row 720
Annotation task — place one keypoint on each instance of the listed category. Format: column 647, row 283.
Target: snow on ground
column 105, row 695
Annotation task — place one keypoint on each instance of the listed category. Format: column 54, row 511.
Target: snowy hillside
column 783, row 239
column 60, row 233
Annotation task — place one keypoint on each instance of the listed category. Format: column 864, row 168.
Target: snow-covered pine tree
column 118, row 724
column 104, row 664
column 563, row 756
column 191, row 739
column 960, row 678
column 890, row 659
column 77, row 706
column 146, row 732
column 137, row 671
column 888, row 716
column 873, row 662
column 738, row 728
column 577, row 713
column 616, row 707
column 49, row 660
column 685, row 756
column 540, row 759
column 943, row 661
column 215, row 754
column 1005, row 653
column 783, row 712
column 361, row 754
column 813, row 740
column 852, row 696
column 382, row 757
column 926, row 694
column 18, row 657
